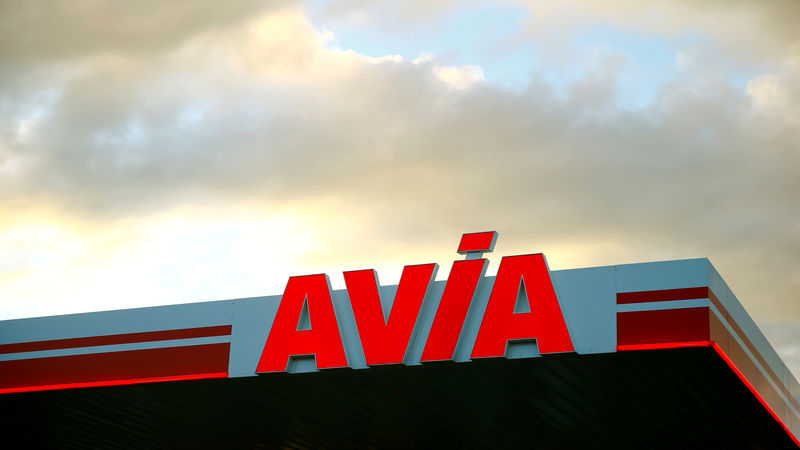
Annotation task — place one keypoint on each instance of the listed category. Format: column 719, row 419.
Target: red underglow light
column 727, row 360
column 51, row 387
column 752, row 388
column 662, row 345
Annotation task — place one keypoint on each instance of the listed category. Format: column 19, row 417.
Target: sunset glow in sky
column 165, row 152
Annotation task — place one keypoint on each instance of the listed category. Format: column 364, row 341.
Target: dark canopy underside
column 679, row 398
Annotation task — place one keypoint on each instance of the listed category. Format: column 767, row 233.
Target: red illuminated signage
column 386, row 341
column 322, row 340
column 449, row 320
column 544, row 322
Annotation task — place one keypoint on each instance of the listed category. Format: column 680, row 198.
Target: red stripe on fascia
column 661, row 295
column 728, row 361
column 664, row 345
column 752, row 389
column 50, row 387
column 736, row 343
column 115, row 366
column 128, row 338
column 662, row 326
column 749, row 345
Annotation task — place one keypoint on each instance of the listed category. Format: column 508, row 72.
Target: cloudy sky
column 164, row 152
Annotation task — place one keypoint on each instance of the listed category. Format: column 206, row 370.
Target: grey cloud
column 58, row 29
column 700, row 172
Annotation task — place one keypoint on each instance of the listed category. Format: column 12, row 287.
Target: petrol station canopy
column 656, row 355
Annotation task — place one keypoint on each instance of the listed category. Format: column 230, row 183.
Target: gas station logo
column 386, row 341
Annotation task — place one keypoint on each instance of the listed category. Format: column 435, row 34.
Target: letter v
column 386, row 342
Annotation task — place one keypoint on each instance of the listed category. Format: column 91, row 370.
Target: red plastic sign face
column 544, row 323
column 386, row 341
column 322, row 340
column 449, row 319
column 477, row 242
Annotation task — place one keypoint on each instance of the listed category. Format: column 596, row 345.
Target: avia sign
column 522, row 307
column 524, row 311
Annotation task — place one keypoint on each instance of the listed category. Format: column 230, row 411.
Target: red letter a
column 322, row 340
column 544, row 322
